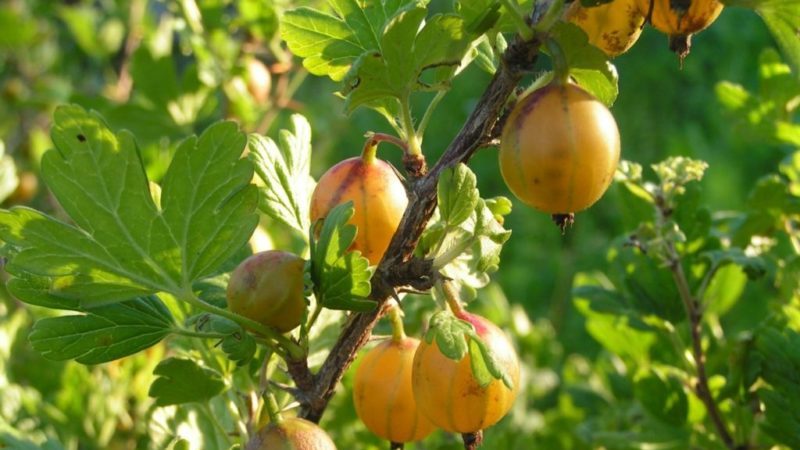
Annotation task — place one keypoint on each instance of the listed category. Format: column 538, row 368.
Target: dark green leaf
column 780, row 368
column 754, row 267
column 485, row 366
column 783, row 20
column 588, row 65
column 104, row 333
column 330, row 43
column 490, row 16
column 183, row 381
column 36, row 290
column 123, row 245
column 340, row 276
column 663, row 397
column 458, row 195
column 207, row 200
column 240, row 347
column 456, row 339
column 450, row 335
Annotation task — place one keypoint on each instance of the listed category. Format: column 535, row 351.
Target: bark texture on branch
column 398, row 267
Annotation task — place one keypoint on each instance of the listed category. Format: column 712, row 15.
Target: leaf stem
column 284, row 344
column 198, row 334
column 270, row 402
column 414, row 148
column 560, row 66
column 369, row 152
column 375, row 138
column 426, row 118
column 517, row 16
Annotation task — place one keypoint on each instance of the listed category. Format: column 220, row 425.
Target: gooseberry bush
column 194, row 286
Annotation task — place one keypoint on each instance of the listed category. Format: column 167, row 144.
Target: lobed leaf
column 122, row 244
column 340, row 276
column 456, row 338
column 330, row 43
column 588, row 65
column 104, row 333
column 381, row 50
column 780, row 368
column 458, row 195
column 284, row 169
column 183, row 381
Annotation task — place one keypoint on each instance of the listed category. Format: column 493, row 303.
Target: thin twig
column 695, row 315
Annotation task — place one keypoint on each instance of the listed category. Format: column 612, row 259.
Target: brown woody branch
column 399, row 268
column 695, row 315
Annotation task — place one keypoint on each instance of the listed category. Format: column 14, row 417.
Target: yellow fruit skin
column 612, row 27
column 448, row 394
column 382, row 393
column 268, row 287
column 693, row 16
column 292, row 433
column 559, row 150
column 378, row 196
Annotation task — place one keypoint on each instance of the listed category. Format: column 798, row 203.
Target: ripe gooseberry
column 268, row 287
column 382, row 391
column 559, row 150
column 291, row 433
column 378, row 196
column 612, row 27
column 680, row 19
column 448, row 393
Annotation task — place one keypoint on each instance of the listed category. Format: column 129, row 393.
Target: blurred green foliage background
column 183, row 66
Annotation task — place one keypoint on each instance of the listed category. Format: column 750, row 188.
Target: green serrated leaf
column 471, row 250
column 725, row 289
column 240, row 347
column 610, row 321
column 754, row 267
column 499, row 207
column 489, row 16
column 450, row 334
column 588, row 65
column 458, row 194
column 183, row 381
column 478, row 363
column 207, row 199
column 485, row 366
column 340, row 276
column 456, row 338
column 105, row 333
column 123, row 245
column 780, row 364
column 663, row 397
column 284, row 169
column 330, row 43
column 783, row 20
column 36, row 290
